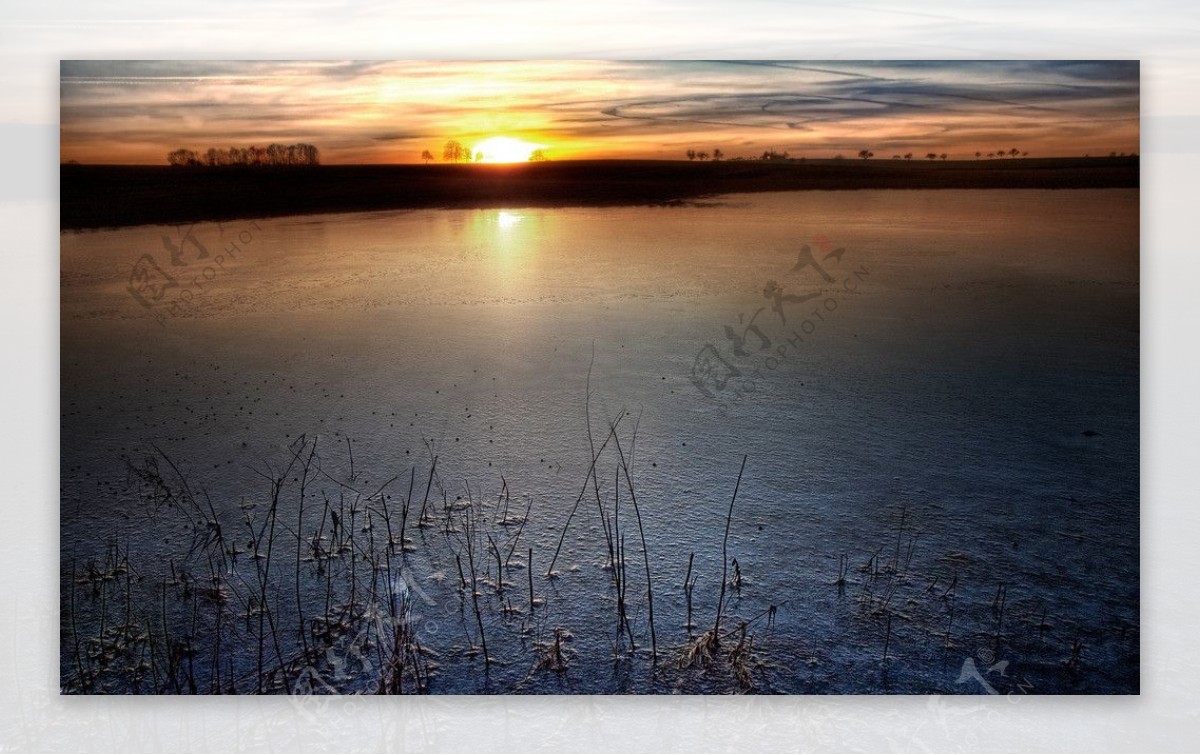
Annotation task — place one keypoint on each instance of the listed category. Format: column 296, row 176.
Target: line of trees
column 772, row 156
column 867, row 154
column 454, row 152
column 1014, row 152
column 272, row 154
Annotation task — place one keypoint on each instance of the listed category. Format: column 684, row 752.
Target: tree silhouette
column 942, row 156
column 183, row 157
column 426, row 155
column 1014, row 152
column 907, row 155
column 691, row 154
column 454, row 152
column 717, row 153
column 978, row 155
column 537, row 156
column 931, row 155
column 866, row 154
column 701, row 156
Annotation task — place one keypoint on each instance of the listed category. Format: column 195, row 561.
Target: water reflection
column 506, row 219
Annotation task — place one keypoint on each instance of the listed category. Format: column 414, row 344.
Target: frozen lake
column 946, row 394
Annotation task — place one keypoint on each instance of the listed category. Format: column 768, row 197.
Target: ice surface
column 980, row 381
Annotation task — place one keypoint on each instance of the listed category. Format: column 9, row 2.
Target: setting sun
column 505, row 149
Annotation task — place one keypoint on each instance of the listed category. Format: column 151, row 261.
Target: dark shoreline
column 108, row 196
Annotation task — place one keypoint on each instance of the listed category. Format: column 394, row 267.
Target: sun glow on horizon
column 505, row 149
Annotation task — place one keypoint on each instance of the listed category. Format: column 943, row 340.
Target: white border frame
column 1164, row 35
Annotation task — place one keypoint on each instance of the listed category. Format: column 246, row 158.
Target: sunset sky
column 388, row 112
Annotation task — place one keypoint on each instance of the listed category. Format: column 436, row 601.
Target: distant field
column 97, row 196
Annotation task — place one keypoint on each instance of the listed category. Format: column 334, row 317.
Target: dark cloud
column 398, row 137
